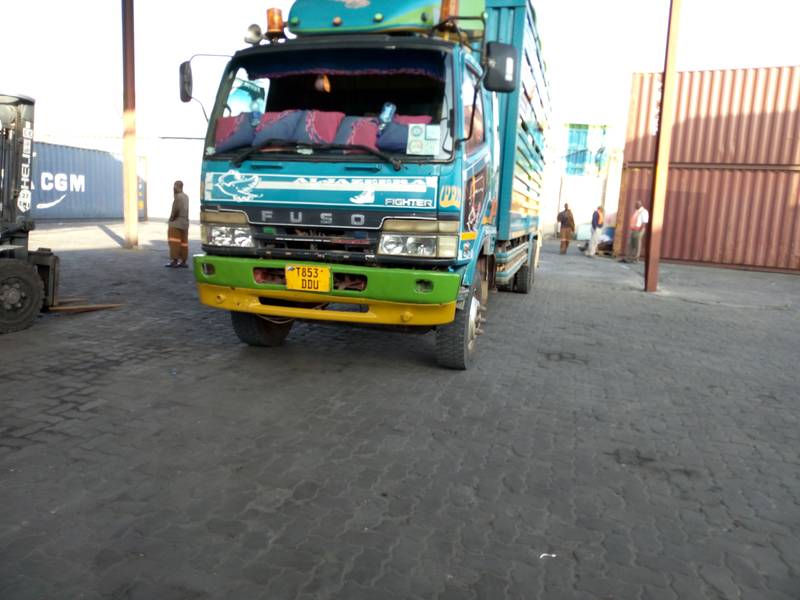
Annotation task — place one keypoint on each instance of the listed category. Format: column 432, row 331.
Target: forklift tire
column 21, row 295
column 256, row 330
column 456, row 341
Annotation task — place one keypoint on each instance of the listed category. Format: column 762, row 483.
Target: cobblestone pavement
column 609, row 444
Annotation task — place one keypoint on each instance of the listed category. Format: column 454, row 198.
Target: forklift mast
column 16, row 171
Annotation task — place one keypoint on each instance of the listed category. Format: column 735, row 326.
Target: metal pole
column 663, row 145
column 129, row 181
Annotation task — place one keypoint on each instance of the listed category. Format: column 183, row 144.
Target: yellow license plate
column 308, row 279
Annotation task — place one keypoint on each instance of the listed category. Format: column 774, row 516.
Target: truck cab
column 354, row 174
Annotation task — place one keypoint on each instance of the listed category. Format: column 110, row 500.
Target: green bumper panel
column 383, row 284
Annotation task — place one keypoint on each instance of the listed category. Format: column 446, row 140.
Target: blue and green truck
column 375, row 162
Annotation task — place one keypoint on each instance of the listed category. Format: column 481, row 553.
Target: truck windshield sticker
column 424, row 140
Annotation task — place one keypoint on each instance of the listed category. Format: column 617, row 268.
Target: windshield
column 334, row 103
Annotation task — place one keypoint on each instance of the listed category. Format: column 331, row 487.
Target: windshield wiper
column 297, row 146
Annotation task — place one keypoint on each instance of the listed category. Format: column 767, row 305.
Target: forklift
column 28, row 278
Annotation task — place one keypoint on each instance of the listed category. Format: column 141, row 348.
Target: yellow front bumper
column 377, row 312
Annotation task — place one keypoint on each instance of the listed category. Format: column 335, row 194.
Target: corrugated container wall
column 733, row 195
column 76, row 183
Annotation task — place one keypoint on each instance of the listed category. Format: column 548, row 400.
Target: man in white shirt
column 637, row 226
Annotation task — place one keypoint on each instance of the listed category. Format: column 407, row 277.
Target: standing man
column 178, row 228
column 639, row 220
column 567, row 223
column 597, row 227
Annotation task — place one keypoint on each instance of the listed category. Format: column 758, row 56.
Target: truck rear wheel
column 256, row 330
column 456, row 341
column 523, row 280
column 21, row 295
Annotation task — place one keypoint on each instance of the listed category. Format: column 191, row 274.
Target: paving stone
column 628, row 446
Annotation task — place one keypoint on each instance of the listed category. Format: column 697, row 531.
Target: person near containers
column 638, row 223
column 597, row 228
column 567, row 222
column 178, row 228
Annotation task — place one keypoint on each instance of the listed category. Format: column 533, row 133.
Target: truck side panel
column 523, row 119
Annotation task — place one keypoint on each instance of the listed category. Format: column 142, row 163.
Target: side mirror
column 502, row 73
column 186, row 81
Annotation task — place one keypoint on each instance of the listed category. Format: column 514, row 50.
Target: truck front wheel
column 21, row 295
column 456, row 341
column 256, row 330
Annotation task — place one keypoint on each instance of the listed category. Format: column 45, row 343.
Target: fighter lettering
column 409, row 202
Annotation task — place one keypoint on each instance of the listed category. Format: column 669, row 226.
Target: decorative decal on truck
column 378, row 184
column 365, row 197
column 475, row 197
column 237, row 185
column 450, row 197
column 297, row 190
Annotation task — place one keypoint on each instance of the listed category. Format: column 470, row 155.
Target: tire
column 456, row 341
column 523, row 280
column 525, row 277
column 255, row 330
column 21, row 295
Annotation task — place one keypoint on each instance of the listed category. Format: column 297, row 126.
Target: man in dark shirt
column 178, row 228
column 597, row 228
column 567, row 222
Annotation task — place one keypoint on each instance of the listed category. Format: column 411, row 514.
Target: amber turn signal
column 449, row 9
column 274, row 23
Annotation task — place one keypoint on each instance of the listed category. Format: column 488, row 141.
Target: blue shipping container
column 76, row 183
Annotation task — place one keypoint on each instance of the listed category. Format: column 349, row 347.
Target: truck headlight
column 225, row 235
column 424, row 246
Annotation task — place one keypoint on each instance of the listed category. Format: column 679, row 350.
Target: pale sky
column 69, row 58
column 593, row 47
